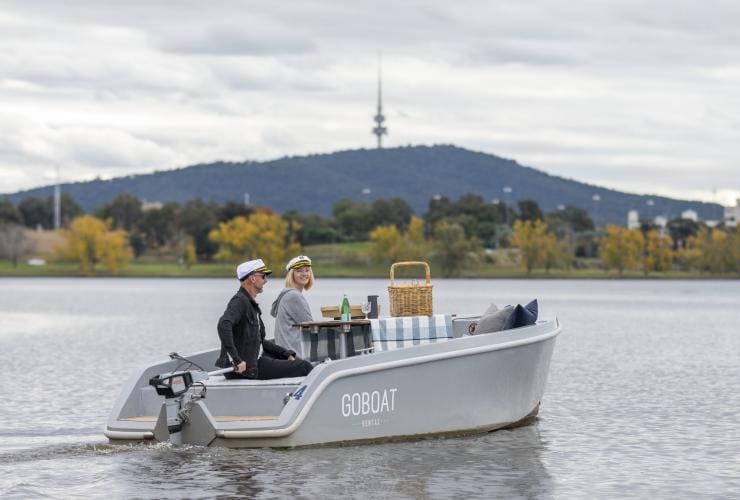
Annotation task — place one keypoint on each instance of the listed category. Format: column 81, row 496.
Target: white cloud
column 630, row 94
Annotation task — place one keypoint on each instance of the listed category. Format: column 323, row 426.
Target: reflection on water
column 505, row 463
column 641, row 401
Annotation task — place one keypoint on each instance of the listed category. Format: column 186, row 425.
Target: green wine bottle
column 345, row 309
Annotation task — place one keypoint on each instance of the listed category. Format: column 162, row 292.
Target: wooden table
column 345, row 329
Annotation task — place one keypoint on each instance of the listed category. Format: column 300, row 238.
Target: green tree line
column 455, row 234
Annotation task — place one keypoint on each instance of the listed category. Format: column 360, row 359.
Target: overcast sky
column 637, row 95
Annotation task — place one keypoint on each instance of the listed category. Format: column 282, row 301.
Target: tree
column 474, row 206
column 415, row 236
column 387, row 244
column 452, row 249
column 657, row 252
column 478, row 218
column 313, row 228
column 621, row 248
column 40, row 211
column 186, row 253
column 352, row 218
column 189, row 258
column 137, row 242
column 733, row 240
column 232, row 209
column 532, row 240
column 557, row 253
column 529, row 210
column 90, row 241
column 681, row 230
column 12, row 241
column 157, row 226
column 575, row 218
column 390, row 211
column 36, row 212
column 9, row 214
column 390, row 245
column 69, row 208
column 716, row 250
column 124, row 210
column 440, row 208
column 261, row 235
column 197, row 218
column 112, row 250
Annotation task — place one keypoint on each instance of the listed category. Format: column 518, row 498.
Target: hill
column 416, row 173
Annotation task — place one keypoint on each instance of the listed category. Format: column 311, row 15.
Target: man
column 242, row 333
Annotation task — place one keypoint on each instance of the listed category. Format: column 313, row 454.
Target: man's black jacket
column 241, row 331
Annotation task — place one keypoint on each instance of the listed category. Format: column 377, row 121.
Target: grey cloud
column 238, row 40
column 250, row 75
column 524, row 52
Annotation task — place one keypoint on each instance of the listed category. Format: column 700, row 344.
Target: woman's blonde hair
column 290, row 280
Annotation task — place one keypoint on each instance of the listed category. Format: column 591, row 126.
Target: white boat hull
column 466, row 385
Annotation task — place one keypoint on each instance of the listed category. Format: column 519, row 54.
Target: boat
column 382, row 380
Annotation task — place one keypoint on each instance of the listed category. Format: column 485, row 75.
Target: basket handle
column 412, row 263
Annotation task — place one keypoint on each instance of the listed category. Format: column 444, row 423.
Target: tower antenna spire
column 380, row 130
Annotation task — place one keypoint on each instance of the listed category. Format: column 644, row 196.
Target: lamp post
column 507, row 193
column 650, row 204
column 596, row 199
column 58, row 202
column 57, row 197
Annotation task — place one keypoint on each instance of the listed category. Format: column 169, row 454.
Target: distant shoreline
column 218, row 270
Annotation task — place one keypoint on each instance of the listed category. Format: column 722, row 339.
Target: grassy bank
column 333, row 268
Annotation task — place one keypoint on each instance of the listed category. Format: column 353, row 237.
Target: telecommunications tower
column 380, row 130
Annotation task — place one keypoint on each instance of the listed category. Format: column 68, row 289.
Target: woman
column 291, row 307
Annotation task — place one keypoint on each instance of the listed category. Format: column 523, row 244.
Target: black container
column 373, row 299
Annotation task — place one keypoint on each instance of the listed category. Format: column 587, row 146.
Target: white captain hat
column 251, row 266
column 297, row 262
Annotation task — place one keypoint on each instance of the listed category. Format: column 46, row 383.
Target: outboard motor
column 172, row 386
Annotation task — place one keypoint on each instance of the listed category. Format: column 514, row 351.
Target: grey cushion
column 493, row 320
column 491, row 309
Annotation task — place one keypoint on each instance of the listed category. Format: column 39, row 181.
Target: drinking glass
column 365, row 307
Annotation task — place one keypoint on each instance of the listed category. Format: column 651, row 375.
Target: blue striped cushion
column 394, row 333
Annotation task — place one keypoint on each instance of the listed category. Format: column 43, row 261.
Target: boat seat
column 400, row 332
column 220, row 380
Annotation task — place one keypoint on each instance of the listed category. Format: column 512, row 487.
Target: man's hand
column 241, row 367
column 291, row 358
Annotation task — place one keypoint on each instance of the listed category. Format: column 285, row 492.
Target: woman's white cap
column 297, row 262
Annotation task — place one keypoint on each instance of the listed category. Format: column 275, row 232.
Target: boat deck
column 223, row 418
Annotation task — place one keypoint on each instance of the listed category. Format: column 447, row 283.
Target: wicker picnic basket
column 411, row 299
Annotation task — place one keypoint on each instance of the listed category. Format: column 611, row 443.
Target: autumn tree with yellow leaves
column 537, row 246
column 734, row 244
column 657, row 254
column 90, row 242
column 715, row 251
column 621, row 248
column 261, row 235
column 390, row 245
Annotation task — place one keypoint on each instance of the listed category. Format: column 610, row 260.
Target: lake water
column 643, row 397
